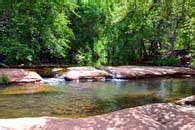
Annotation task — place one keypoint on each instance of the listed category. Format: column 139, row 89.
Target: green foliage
column 17, row 53
column 4, row 79
column 35, row 28
column 88, row 28
column 166, row 62
column 95, row 32
column 192, row 64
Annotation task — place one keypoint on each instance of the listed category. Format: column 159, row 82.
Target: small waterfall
column 57, row 80
column 117, row 78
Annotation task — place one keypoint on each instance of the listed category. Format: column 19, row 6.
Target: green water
column 93, row 98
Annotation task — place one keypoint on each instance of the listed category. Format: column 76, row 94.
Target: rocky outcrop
column 85, row 73
column 132, row 72
column 124, row 72
column 21, row 76
column 88, row 73
column 155, row 116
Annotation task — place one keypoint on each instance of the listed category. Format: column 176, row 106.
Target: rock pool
column 82, row 99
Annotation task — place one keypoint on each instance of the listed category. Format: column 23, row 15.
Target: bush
column 34, row 31
column 166, row 62
column 18, row 53
column 192, row 64
column 4, row 79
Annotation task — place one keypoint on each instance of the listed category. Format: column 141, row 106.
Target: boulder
column 85, row 73
column 21, row 76
column 132, row 72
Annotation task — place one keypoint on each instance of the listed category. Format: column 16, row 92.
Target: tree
column 39, row 27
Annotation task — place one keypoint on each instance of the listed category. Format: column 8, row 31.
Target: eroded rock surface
column 158, row 116
column 85, row 73
column 21, row 76
column 131, row 72
column 124, row 72
column 88, row 73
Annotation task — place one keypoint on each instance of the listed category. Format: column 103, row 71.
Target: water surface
column 93, row 98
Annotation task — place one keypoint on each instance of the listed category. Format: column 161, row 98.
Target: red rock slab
column 21, row 76
column 129, row 72
column 85, row 73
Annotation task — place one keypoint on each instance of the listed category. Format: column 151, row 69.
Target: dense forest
column 97, row 32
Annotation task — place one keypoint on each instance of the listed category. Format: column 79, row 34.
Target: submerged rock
column 85, row 73
column 132, row 72
column 159, row 116
column 21, row 76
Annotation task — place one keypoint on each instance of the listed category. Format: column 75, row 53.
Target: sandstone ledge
column 158, row 116
column 88, row 73
column 21, row 76
column 132, row 72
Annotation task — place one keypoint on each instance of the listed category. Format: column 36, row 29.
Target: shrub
column 192, row 64
column 18, row 53
column 166, row 62
column 4, row 79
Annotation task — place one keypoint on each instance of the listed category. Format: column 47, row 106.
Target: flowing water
column 83, row 99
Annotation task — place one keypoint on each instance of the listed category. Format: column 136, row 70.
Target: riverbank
column 154, row 116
